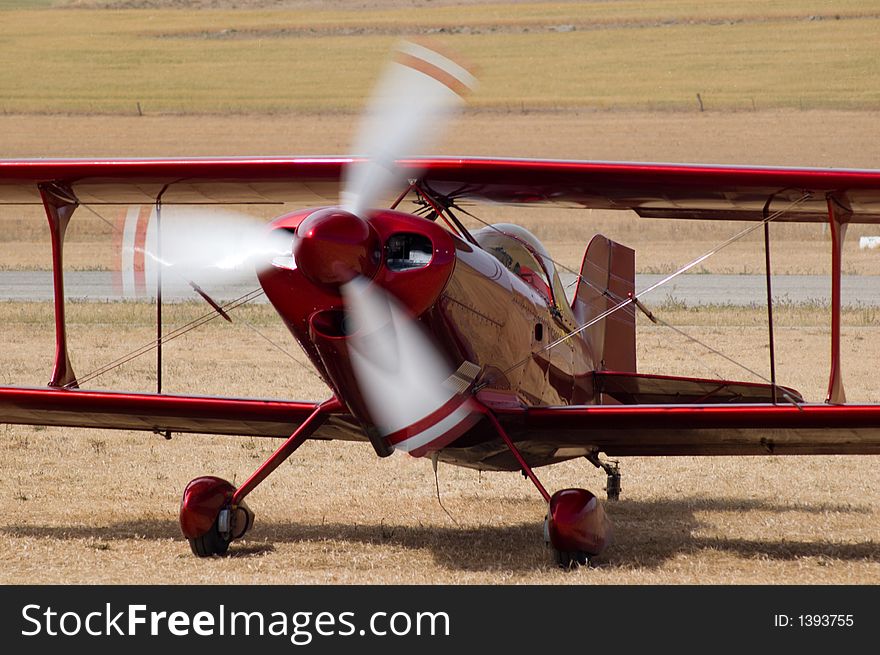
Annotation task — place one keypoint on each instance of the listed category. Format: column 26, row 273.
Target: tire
column 209, row 544
column 570, row 560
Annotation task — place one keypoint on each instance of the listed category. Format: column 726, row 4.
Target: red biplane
column 454, row 344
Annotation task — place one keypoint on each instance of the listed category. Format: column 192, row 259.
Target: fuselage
column 489, row 300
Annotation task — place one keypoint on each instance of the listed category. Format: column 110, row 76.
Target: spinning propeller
column 410, row 108
column 411, row 394
column 415, row 400
column 209, row 247
column 418, row 93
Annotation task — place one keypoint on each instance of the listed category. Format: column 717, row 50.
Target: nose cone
column 332, row 246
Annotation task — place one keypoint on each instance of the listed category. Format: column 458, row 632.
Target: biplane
column 452, row 343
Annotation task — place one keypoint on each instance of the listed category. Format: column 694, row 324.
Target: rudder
column 608, row 275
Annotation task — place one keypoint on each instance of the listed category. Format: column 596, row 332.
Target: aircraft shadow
column 646, row 534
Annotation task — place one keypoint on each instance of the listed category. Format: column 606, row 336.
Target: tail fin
column 608, row 275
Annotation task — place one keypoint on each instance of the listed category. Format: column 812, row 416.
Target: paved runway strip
column 740, row 290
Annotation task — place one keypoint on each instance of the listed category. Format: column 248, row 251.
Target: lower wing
column 162, row 413
column 546, row 435
column 709, row 429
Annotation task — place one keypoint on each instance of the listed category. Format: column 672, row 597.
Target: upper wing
column 191, row 181
column 652, row 190
column 161, row 413
column 663, row 190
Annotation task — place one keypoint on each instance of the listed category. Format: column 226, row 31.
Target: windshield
column 521, row 253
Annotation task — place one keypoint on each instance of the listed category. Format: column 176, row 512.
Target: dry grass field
column 541, row 56
column 101, row 506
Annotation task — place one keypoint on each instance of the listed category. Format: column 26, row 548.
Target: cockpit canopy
column 523, row 254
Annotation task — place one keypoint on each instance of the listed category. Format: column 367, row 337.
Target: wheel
column 210, row 543
column 208, row 520
column 564, row 559
column 570, row 560
column 612, row 487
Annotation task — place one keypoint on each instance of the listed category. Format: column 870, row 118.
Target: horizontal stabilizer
column 640, row 389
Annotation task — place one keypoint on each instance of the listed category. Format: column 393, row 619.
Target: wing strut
column 59, row 203
column 166, row 433
column 839, row 215
column 524, row 466
column 315, row 420
column 768, row 274
column 159, row 293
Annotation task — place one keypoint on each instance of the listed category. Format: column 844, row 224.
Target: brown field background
column 101, row 506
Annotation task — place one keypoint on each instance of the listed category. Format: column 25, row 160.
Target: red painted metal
column 143, row 411
column 208, row 180
column 702, row 416
column 577, row 522
column 313, row 312
column 202, row 501
column 690, row 430
column 333, row 246
column 608, row 273
column 838, row 218
column 653, row 389
column 58, row 212
column 672, row 190
column 416, row 288
column 327, row 338
column 303, row 432
column 487, row 315
column 771, row 340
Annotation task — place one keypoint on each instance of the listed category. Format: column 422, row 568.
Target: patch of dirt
column 327, row 5
column 519, row 27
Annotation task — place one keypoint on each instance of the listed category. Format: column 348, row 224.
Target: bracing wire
column 628, row 301
column 177, row 332
column 183, row 329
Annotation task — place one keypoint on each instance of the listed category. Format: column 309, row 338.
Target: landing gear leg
column 612, row 471
column 213, row 512
column 575, row 527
